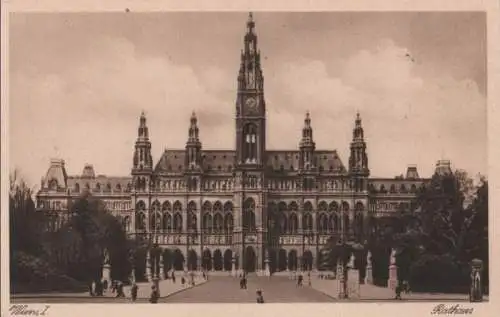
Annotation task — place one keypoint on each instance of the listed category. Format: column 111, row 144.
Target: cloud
column 89, row 112
column 407, row 119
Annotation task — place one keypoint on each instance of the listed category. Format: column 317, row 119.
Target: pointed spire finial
column 250, row 22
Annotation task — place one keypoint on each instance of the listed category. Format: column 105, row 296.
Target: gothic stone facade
column 243, row 208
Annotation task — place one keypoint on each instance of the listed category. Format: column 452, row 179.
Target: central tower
column 249, row 191
column 250, row 105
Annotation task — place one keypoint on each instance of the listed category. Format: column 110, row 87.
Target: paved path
column 276, row 289
column 167, row 288
column 375, row 293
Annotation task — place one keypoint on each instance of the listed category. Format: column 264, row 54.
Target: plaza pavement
column 166, row 287
column 369, row 292
column 223, row 289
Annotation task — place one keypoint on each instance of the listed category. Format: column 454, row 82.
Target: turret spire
column 307, row 145
column 142, row 154
column 358, row 160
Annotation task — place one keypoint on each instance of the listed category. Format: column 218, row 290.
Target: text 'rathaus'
column 251, row 207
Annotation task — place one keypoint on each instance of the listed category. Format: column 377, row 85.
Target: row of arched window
column 101, row 188
column 393, row 189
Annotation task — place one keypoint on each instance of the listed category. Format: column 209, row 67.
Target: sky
column 79, row 81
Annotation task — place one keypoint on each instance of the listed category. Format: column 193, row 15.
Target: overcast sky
column 78, row 83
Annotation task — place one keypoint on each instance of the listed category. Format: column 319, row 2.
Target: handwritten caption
column 455, row 309
column 26, row 310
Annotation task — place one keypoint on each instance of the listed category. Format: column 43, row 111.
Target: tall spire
column 250, row 23
column 307, row 145
column 142, row 154
column 307, row 133
column 358, row 160
column 250, row 76
column 193, row 145
column 193, row 129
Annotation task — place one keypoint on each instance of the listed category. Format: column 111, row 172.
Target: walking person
column 299, row 280
column 133, row 291
column 260, row 298
column 119, row 290
column 398, row 291
column 173, row 276
column 154, row 295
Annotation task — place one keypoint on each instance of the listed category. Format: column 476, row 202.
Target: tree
column 26, row 225
column 79, row 246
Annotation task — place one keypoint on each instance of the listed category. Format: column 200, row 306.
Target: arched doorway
column 272, row 260
column 292, row 260
column 192, row 260
column 167, row 261
column 206, row 262
column 282, row 260
column 228, row 258
column 250, row 259
column 307, row 260
column 218, row 260
column 178, row 260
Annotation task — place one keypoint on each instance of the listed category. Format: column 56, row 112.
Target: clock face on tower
column 251, row 105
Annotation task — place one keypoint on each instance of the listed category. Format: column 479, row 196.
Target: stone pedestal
column 233, row 267
column 106, row 272
column 161, row 274
column 149, row 274
column 369, row 269
column 267, row 271
column 392, row 283
column 476, row 288
column 353, row 279
column 341, row 282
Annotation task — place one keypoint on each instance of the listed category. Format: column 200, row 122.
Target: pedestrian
column 91, row 289
column 260, row 298
column 398, row 292
column 299, row 280
column 173, row 277
column 119, row 290
column 98, row 288
column 183, row 280
column 154, row 295
column 133, row 291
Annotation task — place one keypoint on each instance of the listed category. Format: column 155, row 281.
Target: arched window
column 307, row 222
column 283, row 223
column 207, row 223
column 293, row 223
column 118, row 188
column 322, row 223
column 402, row 188
column 218, row 222
column 250, row 143
column 191, row 214
column 167, row 222
column 413, row 188
column 392, row 189
column 322, row 206
column 177, row 222
column 166, row 207
column 333, row 207
column 177, row 206
column 249, row 215
column 228, row 223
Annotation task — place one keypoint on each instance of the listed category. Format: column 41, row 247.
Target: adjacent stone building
column 251, row 207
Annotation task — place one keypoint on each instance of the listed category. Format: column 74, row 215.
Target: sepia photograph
column 248, row 157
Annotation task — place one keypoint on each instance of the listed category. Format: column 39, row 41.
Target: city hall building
column 249, row 208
